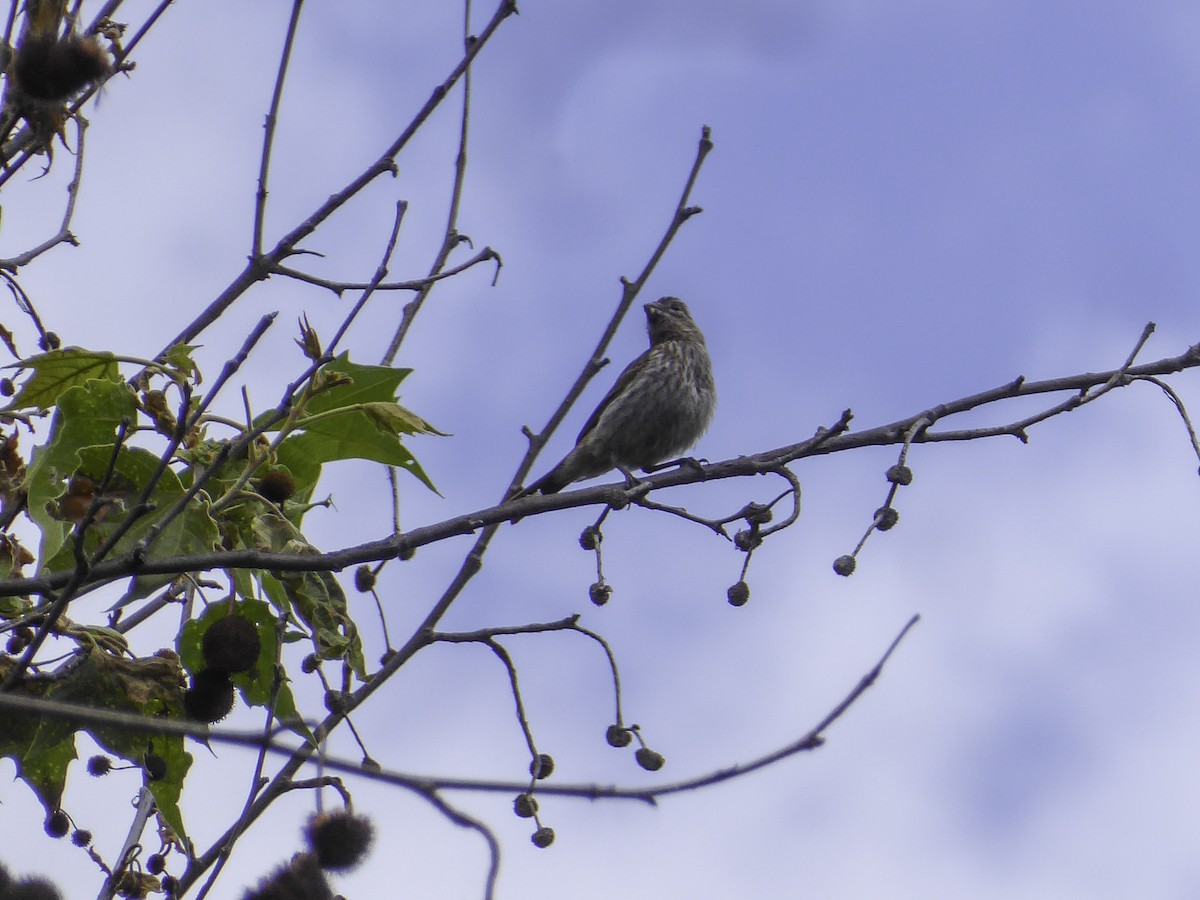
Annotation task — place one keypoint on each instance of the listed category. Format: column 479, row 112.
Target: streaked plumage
column 658, row 408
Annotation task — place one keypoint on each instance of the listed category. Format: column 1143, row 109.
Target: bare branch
column 263, row 266
column 450, row 237
column 64, row 235
column 629, row 292
column 417, row 284
column 615, row 495
column 429, row 785
column 260, row 197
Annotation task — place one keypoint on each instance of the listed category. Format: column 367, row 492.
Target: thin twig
column 260, row 199
column 417, row 284
column 810, row 741
column 184, row 425
column 18, row 703
column 458, row 817
column 380, row 274
column 138, row 35
column 263, row 266
column 64, row 235
column 450, row 236
column 514, row 685
column 629, row 292
column 1177, row 402
column 145, row 809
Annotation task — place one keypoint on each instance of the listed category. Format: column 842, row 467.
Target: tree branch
column 616, row 495
column 426, row 784
column 265, row 265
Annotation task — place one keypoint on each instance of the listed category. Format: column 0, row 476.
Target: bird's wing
column 623, row 381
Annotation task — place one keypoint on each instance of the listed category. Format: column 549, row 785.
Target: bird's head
column 668, row 319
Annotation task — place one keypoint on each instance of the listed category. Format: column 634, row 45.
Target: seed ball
column 542, row 766
column 277, row 485
column 525, row 805
column 758, row 514
column 81, row 837
column 33, row 889
column 299, row 879
column 98, row 765
column 844, row 565
column 618, row 736
column 340, row 840
column 231, row 644
column 885, row 518
column 650, row 760
column 155, row 863
column 589, row 538
column 600, row 592
column 747, row 539
column 738, row 594
column 543, row 837
column 900, row 474
column 364, row 579
column 52, row 69
column 210, row 698
column 57, row 824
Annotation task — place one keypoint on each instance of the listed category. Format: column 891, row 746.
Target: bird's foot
column 684, row 462
column 631, row 480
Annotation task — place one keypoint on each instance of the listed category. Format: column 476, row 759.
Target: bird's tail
column 550, row 483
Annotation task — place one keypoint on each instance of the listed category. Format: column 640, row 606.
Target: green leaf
column 350, row 436
column 44, row 747
column 192, row 531
column 43, row 764
column 14, row 607
column 359, row 418
column 151, row 687
column 179, row 357
column 44, row 774
column 88, row 415
column 366, row 384
column 393, row 418
column 321, row 602
column 58, row 371
column 314, row 598
column 169, row 788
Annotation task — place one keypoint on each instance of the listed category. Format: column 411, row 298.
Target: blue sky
column 907, row 203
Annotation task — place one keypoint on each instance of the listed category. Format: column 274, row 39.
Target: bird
column 659, row 406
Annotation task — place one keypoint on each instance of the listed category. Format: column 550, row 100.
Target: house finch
column 658, row 408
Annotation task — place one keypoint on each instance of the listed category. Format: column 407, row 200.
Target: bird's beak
column 653, row 310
